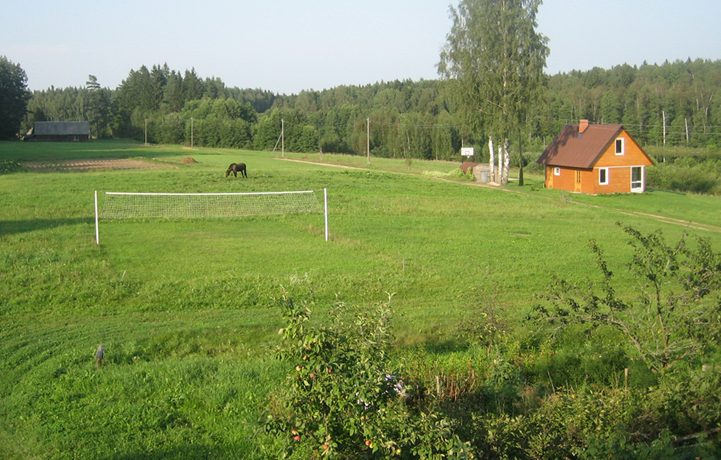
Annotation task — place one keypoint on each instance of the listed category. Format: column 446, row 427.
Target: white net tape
column 124, row 205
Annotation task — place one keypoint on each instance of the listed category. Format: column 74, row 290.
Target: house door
column 637, row 179
column 577, row 183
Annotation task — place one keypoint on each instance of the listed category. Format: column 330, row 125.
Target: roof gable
column 61, row 128
column 579, row 150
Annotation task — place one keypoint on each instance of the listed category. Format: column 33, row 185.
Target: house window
column 619, row 146
column 603, row 176
column 556, row 171
column 637, row 178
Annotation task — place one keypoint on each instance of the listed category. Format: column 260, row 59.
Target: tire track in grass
column 659, row 218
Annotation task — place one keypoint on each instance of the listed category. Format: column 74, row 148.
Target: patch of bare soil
column 92, row 165
column 188, row 161
column 330, row 165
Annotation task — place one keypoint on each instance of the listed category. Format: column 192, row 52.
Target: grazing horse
column 236, row 168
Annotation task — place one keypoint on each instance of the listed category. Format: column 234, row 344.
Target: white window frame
column 642, row 181
column 599, row 176
column 623, row 146
column 556, row 171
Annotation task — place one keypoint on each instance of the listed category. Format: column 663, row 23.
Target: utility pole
column 685, row 120
column 368, row 139
column 191, row 132
column 282, row 137
column 663, row 114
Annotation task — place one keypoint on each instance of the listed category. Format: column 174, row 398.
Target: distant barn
column 59, row 131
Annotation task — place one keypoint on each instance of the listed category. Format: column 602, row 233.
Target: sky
column 286, row 46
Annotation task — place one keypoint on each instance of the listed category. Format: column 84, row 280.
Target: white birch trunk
column 491, row 162
column 506, row 162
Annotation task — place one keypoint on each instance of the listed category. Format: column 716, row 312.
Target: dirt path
column 93, row 165
column 656, row 217
column 330, row 165
column 659, row 218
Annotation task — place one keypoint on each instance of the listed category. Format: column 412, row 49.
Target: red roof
column 579, row 150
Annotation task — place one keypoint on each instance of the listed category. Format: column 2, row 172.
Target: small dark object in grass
column 9, row 166
column 99, row 356
column 236, row 168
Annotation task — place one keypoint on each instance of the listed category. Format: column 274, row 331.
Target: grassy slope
column 186, row 309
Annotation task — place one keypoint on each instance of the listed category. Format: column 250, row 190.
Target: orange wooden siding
column 589, row 179
column 619, row 166
column 632, row 155
column 564, row 181
column 619, row 181
column 567, row 180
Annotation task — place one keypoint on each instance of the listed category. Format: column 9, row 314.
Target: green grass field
column 187, row 310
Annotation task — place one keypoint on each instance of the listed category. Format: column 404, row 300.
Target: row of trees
column 675, row 103
column 420, row 119
column 671, row 104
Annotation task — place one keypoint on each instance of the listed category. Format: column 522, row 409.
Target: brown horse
column 236, row 168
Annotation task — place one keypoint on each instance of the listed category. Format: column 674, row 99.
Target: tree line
column 672, row 104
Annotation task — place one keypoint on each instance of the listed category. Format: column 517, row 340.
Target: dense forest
column 673, row 104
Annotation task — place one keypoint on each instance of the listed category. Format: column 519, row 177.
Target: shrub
column 344, row 399
column 674, row 315
column 687, row 175
column 9, row 166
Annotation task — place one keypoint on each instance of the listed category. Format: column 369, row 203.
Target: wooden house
column 595, row 159
column 59, row 131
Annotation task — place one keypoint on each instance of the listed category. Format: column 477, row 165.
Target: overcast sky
column 286, row 46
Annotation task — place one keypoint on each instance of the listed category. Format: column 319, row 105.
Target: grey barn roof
column 61, row 128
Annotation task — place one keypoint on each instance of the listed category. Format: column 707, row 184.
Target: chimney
column 582, row 125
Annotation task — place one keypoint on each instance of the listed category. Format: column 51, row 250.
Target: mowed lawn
column 188, row 311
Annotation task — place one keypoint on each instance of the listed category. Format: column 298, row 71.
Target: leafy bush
column 592, row 423
column 564, row 426
column 674, row 316
column 344, row 399
column 9, row 166
column 687, row 402
column 688, row 174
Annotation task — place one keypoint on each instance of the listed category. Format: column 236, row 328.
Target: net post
column 325, row 211
column 97, row 230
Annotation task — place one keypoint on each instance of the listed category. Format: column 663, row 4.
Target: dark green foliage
column 582, row 423
column 9, row 166
column 422, row 119
column 674, row 317
column 638, row 97
column 14, row 97
column 343, row 398
column 267, row 131
column 98, row 108
column 687, row 174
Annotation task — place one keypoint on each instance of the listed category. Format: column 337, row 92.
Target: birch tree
column 494, row 60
